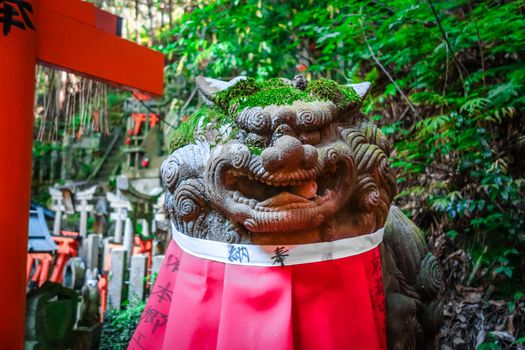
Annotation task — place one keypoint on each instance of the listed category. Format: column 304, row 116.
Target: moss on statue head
column 249, row 93
column 329, row 90
column 279, row 96
column 188, row 129
column 276, row 91
column 241, row 88
column 185, row 133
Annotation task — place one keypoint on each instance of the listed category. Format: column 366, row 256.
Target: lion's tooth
column 252, row 203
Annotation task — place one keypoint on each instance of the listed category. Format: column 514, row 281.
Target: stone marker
column 58, row 207
column 137, row 278
column 128, row 238
column 154, row 226
column 159, row 218
column 117, row 278
column 121, row 207
column 44, row 304
column 93, row 251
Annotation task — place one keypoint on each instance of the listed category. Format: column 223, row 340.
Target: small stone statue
column 89, row 308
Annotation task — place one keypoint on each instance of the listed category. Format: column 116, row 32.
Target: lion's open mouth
column 281, row 192
column 285, row 200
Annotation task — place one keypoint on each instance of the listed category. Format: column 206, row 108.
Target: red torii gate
column 69, row 35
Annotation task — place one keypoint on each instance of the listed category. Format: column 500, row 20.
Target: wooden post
column 18, row 55
column 65, row 34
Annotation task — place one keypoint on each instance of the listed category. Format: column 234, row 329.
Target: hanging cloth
column 215, row 295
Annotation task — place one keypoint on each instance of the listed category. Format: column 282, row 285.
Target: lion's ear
column 361, row 89
column 208, row 86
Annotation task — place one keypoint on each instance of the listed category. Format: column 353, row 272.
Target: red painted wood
column 70, row 36
column 17, row 81
column 106, row 21
column 69, row 44
column 79, row 10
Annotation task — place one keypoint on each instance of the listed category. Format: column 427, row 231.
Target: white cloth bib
column 276, row 255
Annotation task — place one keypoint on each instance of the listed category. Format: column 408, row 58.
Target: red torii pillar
column 69, row 35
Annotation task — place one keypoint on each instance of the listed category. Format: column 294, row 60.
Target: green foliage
column 42, row 149
column 452, row 102
column 119, row 326
column 115, row 105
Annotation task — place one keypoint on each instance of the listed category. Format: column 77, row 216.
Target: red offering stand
column 69, row 35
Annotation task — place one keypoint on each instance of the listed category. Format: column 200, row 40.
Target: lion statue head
column 278, row 162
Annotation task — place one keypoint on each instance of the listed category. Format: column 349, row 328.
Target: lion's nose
column 288, row 153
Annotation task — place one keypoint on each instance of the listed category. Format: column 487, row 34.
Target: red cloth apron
column 201, row 304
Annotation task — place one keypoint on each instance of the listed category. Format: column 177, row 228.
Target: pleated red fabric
column 198, row 303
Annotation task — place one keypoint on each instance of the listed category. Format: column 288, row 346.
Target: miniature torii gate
column 66, row 34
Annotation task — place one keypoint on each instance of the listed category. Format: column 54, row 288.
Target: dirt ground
column 476, row 317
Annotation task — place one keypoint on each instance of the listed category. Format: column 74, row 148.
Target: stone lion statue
column 294, row 162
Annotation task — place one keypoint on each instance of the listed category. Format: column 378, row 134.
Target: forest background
column 448, row 90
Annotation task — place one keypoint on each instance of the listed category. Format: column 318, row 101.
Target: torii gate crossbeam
column 66, row 34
